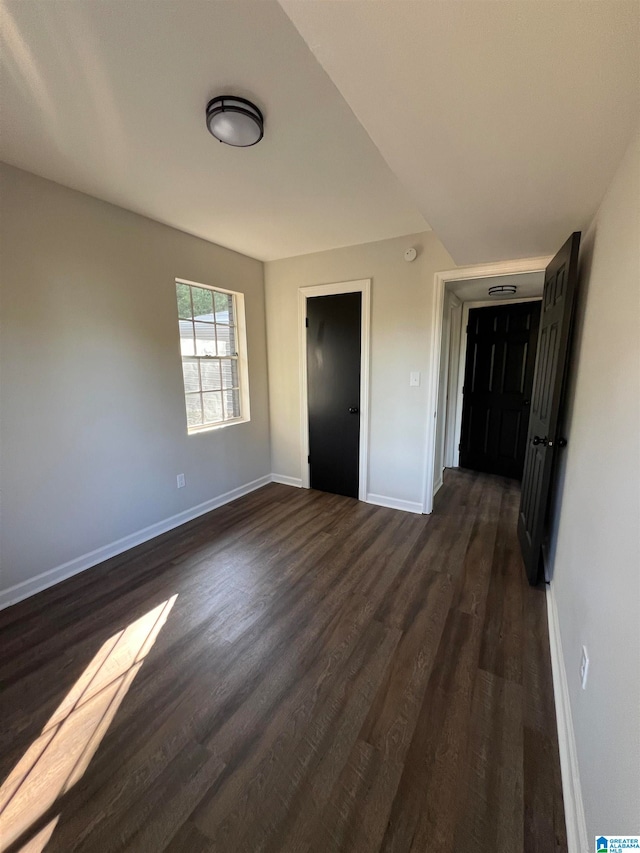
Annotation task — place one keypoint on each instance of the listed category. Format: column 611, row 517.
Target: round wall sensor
column 410, row 255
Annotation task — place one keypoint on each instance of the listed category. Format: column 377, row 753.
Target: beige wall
column 596, row 546
column 93, row 427
column 401, row 307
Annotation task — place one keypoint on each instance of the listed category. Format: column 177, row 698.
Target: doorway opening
column 499, row 362
column 456, row 294
column 332, row 424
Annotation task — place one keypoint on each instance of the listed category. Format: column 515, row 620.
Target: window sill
column 211, row 427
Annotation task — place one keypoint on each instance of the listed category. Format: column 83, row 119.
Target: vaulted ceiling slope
column 505, row 120
column 109, row 98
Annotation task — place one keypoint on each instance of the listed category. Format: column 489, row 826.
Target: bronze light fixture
column 235, row 121
column 502, row 290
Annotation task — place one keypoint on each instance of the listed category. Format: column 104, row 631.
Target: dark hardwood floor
column 295, row 671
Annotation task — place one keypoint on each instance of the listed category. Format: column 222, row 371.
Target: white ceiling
column 505, row 120
column 109, row 98
column 473, row 289
column 499, row 123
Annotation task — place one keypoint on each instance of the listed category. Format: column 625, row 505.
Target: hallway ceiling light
column 235, row 121
column 502, row 290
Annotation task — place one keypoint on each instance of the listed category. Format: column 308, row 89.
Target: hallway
column 319, row 674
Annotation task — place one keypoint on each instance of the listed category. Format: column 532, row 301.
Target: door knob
column 537, row 440
column 353, row 410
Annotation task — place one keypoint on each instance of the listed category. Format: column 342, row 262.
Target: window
column 213, row 347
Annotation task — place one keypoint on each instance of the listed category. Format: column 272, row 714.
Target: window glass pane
column 190, row 374
column 226, row 340
column 224, row 308
column 205, row 338
column 194, row 410
column 232, row 404
column 210, row 369
column 212, row 403
column 184, row 300
column 229, row 372
column 202, row 303
column 186, row 338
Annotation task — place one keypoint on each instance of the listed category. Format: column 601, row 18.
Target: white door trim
column 455, row 328
column 440, row 280
column 577, row 838
column 362, row 286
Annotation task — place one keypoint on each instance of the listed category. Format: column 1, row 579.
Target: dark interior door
column 333, row 388
column 498, row 377
column 543, row 440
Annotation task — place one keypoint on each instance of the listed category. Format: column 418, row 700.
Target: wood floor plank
column 492, row 804
column 427, row 796
column 189, row 839
column 544, row 824
column 477, row 564
column 343, row 824
column 320, row 749
column 401, row 694
column 503, row 631
column 151, row 821
column 541, row 756
column 328, row 675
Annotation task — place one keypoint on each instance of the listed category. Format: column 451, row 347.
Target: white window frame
column 241, row 358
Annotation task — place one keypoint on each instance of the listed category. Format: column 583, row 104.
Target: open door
column 543, row 440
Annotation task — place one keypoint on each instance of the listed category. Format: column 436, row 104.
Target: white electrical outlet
column 181, row 481
column 584, row 668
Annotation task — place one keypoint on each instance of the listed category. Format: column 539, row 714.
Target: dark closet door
column 333, row 388
column 501, row 348
column 548, row 387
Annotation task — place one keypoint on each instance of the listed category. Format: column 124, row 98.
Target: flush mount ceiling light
column 502, row 290
column 235, row 121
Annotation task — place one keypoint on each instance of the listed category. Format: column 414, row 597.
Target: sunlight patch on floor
column 56, row 760
column 39, row 841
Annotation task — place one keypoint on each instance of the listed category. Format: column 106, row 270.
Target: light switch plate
column 414, row 378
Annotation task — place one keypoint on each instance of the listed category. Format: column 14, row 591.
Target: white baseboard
column 438, row 485
column 395, row 503
column 23, row 590
column 577, row 841
column 287, row 481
